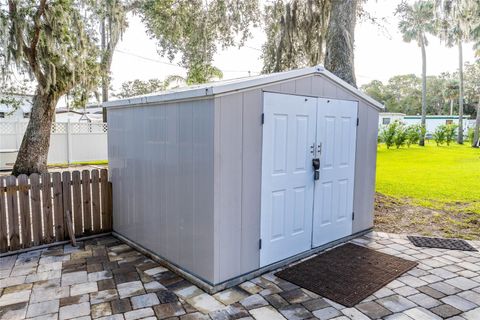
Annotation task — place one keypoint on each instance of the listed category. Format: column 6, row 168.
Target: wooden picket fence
column 37, row 209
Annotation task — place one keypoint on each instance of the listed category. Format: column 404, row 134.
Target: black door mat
column 441, row 243
column 347, row 274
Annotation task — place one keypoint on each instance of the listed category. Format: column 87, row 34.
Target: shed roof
column 226, row 86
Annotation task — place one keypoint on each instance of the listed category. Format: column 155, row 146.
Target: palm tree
column 450, row 92
column 458, row 20
column 415, row 22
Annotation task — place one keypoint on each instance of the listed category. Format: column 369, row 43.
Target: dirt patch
column 399, row 216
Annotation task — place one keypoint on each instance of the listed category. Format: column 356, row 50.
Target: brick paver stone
column 472, row 314
column 120, row 305
column 462, row 283
column 43, row 308
column 459, row 303
column 168, row 310
column 143, row 301
column 231, row 295
column 396, row 303
column 74, row 311
column 129, row 289
column 326, row 313
column 139, row 314
column 295, row 312
column 431, row 292
column 13, row 311
column 445, row 311
column 205, row 303
column 266, row 313
column 373, row 310
column 101, row 310
column 421, row 314
column 353, row 313
column 424, row 300
column 254, row 301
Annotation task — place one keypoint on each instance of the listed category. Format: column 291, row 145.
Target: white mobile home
column 433, row 121
column 226, row 180
column 385, row 118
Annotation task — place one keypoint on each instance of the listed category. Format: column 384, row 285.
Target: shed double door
column 297, row 211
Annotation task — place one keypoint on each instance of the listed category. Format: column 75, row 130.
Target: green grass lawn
column 445, row 178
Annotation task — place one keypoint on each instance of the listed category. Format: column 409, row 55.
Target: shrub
column 401, row 136
column 450, row 133
column 387, row 135
column 414, row 132
column 439, row 135
column 470, row 134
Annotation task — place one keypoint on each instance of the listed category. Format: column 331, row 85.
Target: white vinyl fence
column 69, row 142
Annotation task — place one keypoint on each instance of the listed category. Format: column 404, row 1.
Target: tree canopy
column 194, row 29
column 402, row 93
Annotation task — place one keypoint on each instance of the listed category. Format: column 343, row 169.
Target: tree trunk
column 339, row 57
column 451, row 107
column 424, row 90
column 32, row 156
column 475, row 141
column 460, row 93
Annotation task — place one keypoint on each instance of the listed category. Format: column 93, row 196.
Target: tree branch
column 37, row 28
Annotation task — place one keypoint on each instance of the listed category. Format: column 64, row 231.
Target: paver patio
column 104, row 278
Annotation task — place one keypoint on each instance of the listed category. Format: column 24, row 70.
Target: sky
column 380, row 53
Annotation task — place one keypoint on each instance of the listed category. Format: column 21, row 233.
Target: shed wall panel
column 365, row 168
column 161, row 163
column 228, row 155
column 252, row 178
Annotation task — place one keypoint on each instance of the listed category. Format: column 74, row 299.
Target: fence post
column 69, row 143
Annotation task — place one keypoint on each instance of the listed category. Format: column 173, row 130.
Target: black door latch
column 316, row 167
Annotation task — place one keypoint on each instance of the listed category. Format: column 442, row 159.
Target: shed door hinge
column 263, row 118
column 358, row 121
column 259, row 244
column 353, row 215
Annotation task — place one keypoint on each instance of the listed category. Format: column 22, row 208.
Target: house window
column 26, row 115
column 448, row 122
column 386, row 121
column 2, row 114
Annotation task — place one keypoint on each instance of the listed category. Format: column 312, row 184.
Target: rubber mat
column 347, row 274
column 441, row 243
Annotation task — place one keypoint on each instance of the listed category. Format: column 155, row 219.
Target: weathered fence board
column 96, row 201
column 77, row 203
column 36, row 209
column 58, row 206
column 12, row 216
column 24, row 200
column 106, row 211
column 87, row 210
column 33, row 209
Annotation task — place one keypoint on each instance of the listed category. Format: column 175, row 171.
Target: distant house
column 22, row 112
column 9, row 113
column 91, row 113
column 385, row 118
column 431, row 121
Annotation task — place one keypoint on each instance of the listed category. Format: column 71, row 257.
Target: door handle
column 316, row 168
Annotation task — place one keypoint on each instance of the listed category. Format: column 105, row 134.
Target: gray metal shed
column 222, row 182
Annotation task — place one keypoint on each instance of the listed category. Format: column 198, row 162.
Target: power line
column 175, row 65
column 148, row 59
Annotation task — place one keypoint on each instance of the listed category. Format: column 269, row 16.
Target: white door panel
column 287, row 176
column 333, row 200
